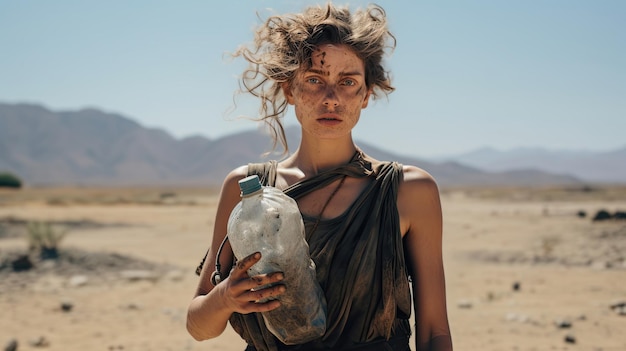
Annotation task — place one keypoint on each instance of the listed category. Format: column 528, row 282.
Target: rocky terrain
column 526, row 269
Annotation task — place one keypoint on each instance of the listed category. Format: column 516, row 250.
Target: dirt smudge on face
column 322, row 62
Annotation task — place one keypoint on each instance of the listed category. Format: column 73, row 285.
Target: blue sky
column 468, row 74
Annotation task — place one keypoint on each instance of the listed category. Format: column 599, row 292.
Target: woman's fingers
column 240, row 270
column 252, row 307
column 257, row 298
column 253, row 294
column 258, row 281
column 262, row 294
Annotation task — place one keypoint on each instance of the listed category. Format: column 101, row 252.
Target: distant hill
column 91, row 147
column 597, row 167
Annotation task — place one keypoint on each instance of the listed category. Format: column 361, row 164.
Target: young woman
column 374, row 228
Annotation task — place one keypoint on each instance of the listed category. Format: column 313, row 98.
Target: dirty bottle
column 268, row 221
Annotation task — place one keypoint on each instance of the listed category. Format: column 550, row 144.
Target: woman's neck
column 314, row 158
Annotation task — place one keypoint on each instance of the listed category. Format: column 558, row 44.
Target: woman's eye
column 313, row 80
column 349, row 82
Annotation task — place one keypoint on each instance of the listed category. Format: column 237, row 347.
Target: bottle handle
column 216, row 276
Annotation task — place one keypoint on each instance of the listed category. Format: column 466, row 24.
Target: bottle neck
column 254, row 193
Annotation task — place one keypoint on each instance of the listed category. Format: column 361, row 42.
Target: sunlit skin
column 329, row 96
column 328, row 99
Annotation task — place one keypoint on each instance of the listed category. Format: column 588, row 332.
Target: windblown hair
column 284, row 43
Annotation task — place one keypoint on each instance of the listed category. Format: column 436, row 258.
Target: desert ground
column 526, row 269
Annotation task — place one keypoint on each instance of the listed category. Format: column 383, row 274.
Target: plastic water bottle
column 268, row 221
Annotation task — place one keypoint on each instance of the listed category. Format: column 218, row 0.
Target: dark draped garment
column 360, row 264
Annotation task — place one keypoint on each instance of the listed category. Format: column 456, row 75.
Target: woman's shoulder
column 417, row 184
column 412, row 179
column 416, row 179
column 416, row 174
column 418, row 198
column 231, row 181
column 265, row 170
column 410, row 174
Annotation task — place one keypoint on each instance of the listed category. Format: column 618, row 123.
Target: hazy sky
column 468, row 73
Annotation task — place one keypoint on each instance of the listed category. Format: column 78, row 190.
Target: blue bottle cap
column 249, row 185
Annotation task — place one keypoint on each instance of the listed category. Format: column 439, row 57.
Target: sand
column 523, row 270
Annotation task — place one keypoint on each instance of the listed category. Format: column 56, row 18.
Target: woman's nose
column 330, row 98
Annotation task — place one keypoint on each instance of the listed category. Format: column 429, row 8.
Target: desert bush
column 602, row 215
column 8, row 180
column 45, row 238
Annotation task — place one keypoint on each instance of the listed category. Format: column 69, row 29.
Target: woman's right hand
column 244, row 294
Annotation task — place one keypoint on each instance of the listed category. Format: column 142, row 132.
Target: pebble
column 22, row 263
column 521, row 318
column 39, row 342
column 619, row 307
column 563, row 323
column 131, row 306
column 136, row 275
column 11, row 345
column 78, row 280
column 67, row 306
column 465, row 304
column 618, row 304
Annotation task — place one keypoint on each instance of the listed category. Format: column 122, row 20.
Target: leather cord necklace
column 319, row 216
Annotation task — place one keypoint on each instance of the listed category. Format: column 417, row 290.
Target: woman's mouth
column 329, row 117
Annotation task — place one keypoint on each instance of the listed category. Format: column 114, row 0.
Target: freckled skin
column 333, row 88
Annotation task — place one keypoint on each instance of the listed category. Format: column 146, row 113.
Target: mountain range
column 90, row 147
column 590, row 166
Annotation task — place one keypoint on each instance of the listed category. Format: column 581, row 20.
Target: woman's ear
column 287, row 91
column 366, row 100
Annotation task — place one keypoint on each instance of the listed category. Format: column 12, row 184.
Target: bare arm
column 210, row 309
column 421, row 221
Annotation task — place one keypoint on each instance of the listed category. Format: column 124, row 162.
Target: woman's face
column 329, row 96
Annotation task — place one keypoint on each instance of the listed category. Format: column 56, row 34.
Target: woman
column 370, row 224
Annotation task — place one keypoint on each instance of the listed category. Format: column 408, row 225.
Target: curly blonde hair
column 284, row 44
